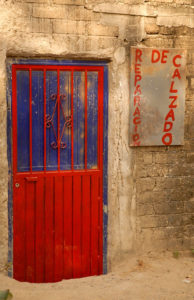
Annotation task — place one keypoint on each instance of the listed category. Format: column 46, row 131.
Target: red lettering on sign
column 170, row 114
column 137, row 143
column 155, row 56
column 136, row 137
column 137, row 112
column 137, row 78
column 137, row 120
column 137, row 100
column 137, row 90
column 171, row 88
column 138, row 54
column 167, row 139
column 172, row 105
column 174, row 60
column 176, row 74
column 137, row 69
column 167, row 126
column 163, row 61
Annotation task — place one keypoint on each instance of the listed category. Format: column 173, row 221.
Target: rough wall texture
column 150, row 194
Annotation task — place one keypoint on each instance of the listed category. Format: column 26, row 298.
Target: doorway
column 59, row 171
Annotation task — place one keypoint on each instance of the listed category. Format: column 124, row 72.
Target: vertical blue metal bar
column 10, row 171
column 105, row 169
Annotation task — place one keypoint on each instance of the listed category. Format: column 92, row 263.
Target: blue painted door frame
column 10, row 62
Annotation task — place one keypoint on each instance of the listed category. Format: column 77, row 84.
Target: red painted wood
column 19, row 242
column 68, row 253
column 77, row 226
column 59, row 215
column 40, row 241
column 100, row 226
column 30, row 230
column 86, row 223
column 49, row 229
column 94, row 225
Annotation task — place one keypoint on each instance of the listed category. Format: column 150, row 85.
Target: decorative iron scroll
column 67, row 122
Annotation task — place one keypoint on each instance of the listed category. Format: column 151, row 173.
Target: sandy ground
column 140, row 278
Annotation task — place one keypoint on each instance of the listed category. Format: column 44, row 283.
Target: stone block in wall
column 159, row 41
column 70, row 2
column 23, row 9
column 145, row 184
column 183, row 30
column 168, row 207
column 41, row 25
column 102, row 30
column 189, row 206
column 34, row 1
column 166, row 30
column 167, row 183
column 175, row 244
column 189, row 231
column 190, row 67
column 192, row 83
column 190, row 157
column 69, row 27
column 175, row 21
column 188, row 219
column 182, row 170
column 151, row 28
column 67, row 12
column 148, row 158
column 188, row 243
column 153, row 221
column 145, row 209
column 133, row 33
column 126, row 9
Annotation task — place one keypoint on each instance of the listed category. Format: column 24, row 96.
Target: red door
column 57, row 172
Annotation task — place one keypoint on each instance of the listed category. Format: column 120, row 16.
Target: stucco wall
column 150, row 189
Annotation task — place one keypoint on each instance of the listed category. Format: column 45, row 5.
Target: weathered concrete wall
column 150, row 194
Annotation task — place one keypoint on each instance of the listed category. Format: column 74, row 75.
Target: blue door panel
column 51, row 120
column 37, row 120
column 79, row 119
column 92, row 116
column 65, row 120
column 22, row 78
